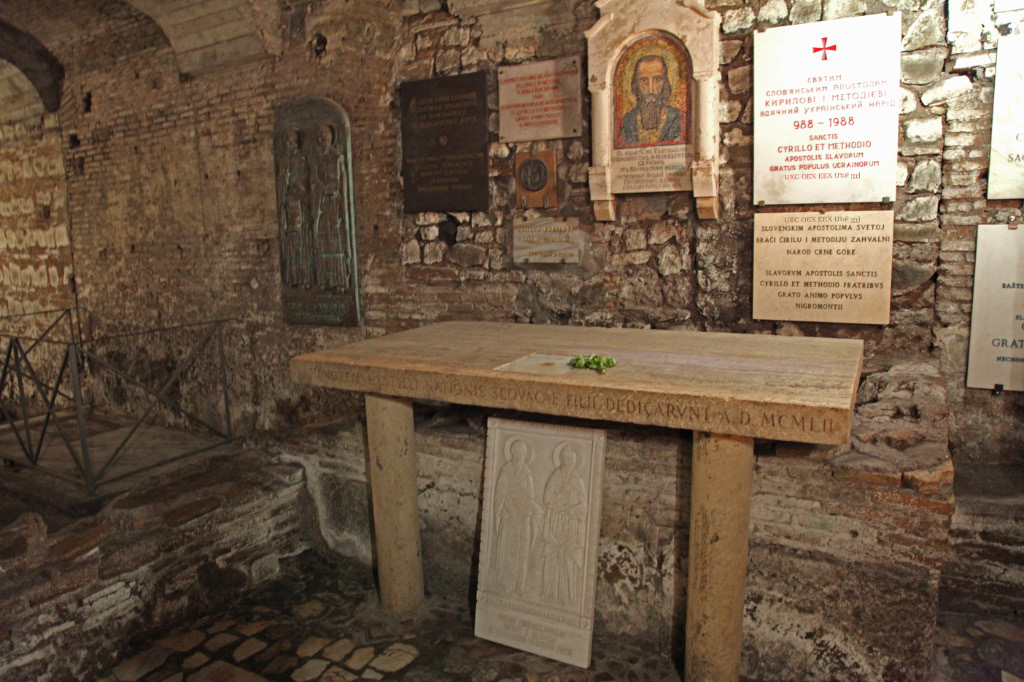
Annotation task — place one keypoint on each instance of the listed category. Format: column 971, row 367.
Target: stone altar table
column 727, row 388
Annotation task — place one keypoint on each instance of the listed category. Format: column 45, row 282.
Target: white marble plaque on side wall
column 1006, row 166
column 997, row 315
column 1008, row 5
column 826, row 98
column 823, row 267
column 538, row 538
column 540, row 100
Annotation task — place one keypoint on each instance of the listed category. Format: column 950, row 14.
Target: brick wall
column 73, row 601
column 35, row 251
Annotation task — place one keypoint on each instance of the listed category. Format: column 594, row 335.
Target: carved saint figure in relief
column 652, row 94
column 296, row 244
column 517, row 519
column 330, row 253
column 565, row 504
column 316, row 213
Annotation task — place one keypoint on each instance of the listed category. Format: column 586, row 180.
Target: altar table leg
column 723, row 471
column 396, row 520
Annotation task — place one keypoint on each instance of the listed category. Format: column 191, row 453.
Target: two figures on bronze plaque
column 315, row 209
column 314, row 182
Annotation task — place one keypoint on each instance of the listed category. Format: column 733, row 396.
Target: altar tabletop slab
column 781, row 388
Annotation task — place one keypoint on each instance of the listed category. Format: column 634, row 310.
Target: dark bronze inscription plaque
column 316, row 213
column 444, row 143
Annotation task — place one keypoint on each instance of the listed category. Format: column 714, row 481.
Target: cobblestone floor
column 973, row 649
column 321, row 624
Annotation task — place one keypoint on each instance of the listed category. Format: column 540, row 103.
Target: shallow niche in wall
column 653, row 78
column 316, row 213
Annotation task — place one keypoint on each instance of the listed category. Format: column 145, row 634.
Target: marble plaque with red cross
column 826, row 111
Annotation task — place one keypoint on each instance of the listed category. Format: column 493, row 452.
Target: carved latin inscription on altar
column 654, row 82
column 538, row 538
column 315, row 212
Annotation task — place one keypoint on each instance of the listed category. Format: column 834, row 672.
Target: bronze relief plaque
column 536, row 180
column 316, row 214
column 444, row 144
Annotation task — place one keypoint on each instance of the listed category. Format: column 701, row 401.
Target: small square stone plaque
column 540, row 100
column 547, row 240
column 823, row 267
column 997, row 315
column 538, row 538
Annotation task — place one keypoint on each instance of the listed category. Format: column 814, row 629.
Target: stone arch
column 36, row 64
column 206, row 35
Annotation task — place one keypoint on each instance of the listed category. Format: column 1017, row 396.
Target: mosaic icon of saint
column 653, row 84
column 653, row 119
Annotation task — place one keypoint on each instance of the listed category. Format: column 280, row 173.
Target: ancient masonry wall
column 73, row 601
column 660, row 266
column 171, row 215
column 35, row 249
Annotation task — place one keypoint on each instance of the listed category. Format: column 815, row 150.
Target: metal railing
column 32, row 404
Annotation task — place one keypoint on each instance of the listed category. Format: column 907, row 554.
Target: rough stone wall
column 660, row 266
column 71, row 602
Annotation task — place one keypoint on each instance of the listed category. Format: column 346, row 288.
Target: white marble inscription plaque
column 545, row 240
column 1006, row 166
column 997, row 314
column 826, row 98
column 540, row 101
column 538, row 538
column 823, row 267
column 1008, row 5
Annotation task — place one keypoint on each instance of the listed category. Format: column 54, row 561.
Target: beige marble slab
column 540, row 100
column 996, row 353
column 785, row 388
column 547, row 240
column 823, row 267
column 539, row 537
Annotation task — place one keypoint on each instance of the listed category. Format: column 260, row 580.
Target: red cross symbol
column 824, row 49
